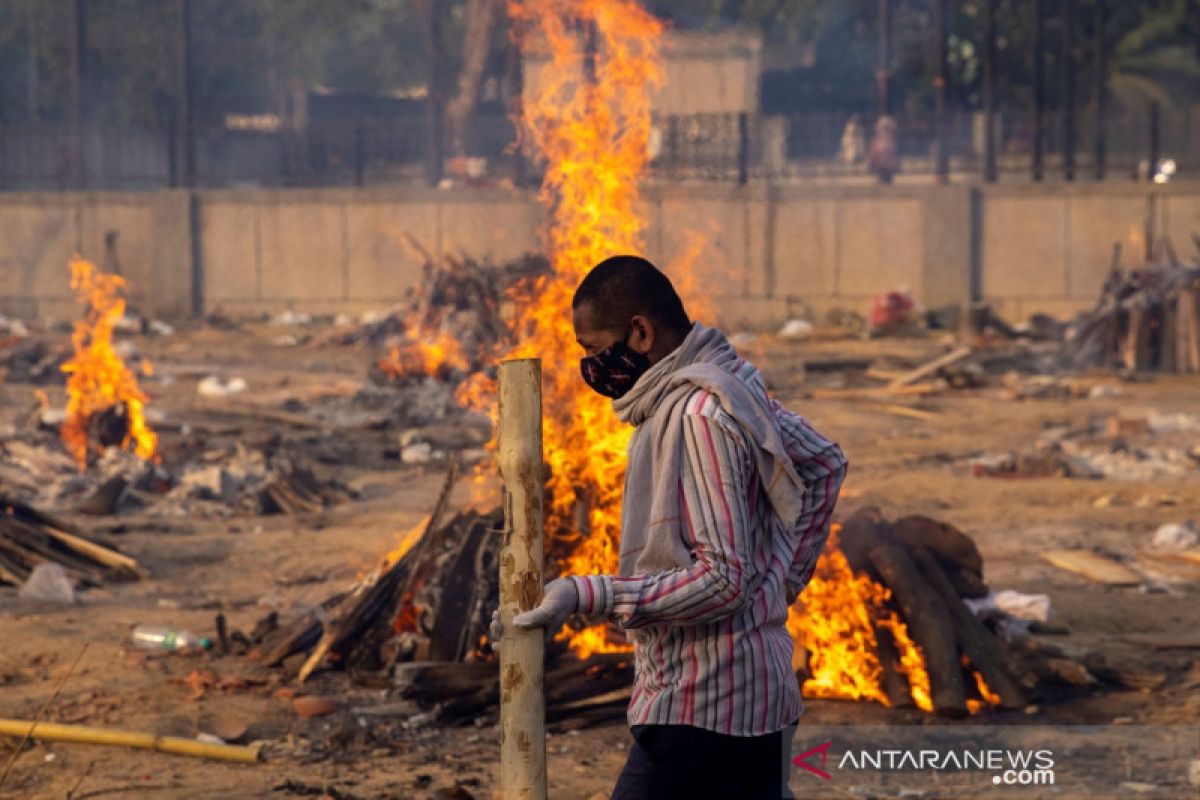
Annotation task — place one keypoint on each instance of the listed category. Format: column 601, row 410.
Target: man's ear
column 642, row 336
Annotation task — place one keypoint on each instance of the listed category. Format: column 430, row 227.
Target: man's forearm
column 681, row 597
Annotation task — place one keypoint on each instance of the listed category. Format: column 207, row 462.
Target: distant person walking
column 884, row 158
column 854, row 142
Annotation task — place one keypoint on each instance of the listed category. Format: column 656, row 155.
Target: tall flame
column 588, row 113
column 98, row 379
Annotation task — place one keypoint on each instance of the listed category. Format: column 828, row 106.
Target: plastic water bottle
column 168, row 640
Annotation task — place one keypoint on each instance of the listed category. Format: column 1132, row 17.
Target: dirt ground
column 244, row 566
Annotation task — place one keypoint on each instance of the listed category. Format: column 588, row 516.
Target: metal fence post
column 1155, row 139
column 989, row 90
column 360, row 152
column 1101, row 91
column 883, row 56
column 1068, row 89
column 78, row 22
column 743, row 153
column 941, row 154
column 1039, row 93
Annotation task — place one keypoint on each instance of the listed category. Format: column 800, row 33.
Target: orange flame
column 97, row 377
column 423, row 352
column 593, row 130
column 835, row 621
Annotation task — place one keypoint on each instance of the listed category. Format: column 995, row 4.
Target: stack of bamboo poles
column 29, row 537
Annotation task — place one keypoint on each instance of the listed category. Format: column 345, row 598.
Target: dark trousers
column 680, row 761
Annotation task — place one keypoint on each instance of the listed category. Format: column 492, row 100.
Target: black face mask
column 614, row 370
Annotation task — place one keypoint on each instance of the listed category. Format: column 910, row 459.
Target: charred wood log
column 894, row 682
column 930, row 624
column 977, row 642
column 954, row 550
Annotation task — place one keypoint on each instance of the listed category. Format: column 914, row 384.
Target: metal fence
column 708, row 147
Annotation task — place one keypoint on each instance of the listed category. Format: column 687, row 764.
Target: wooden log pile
column 929, row 567
column 29, row 537
column 1145, row 320
column 418, row 627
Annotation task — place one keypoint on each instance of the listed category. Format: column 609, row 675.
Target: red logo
column 802, row 760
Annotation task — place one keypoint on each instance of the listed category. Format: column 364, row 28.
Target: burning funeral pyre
column 884, row 618
column 105, row 406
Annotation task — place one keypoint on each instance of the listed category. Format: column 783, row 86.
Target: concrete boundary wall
column 758, row 253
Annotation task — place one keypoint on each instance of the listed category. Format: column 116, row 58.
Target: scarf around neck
column 652, row 536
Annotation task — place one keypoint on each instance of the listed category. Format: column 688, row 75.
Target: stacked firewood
column 419, row 626
column 929, row 567
column 1146, row 319
column 29, row 537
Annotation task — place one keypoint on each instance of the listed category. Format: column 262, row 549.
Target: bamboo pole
column 522, row 664
column 83, row 734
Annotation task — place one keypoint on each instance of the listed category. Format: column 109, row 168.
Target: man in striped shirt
column 727, row 504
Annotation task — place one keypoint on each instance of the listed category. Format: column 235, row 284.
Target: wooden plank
column 1095, row 568
column 107, row 557
column 880, row 392
column 904, row 411
column 884, row 374
column 932, row 367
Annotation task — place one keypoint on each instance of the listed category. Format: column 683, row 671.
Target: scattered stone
column 796, row 329
column 214, row 386
column 418, row 453
column 48, row 583
column 1177, row 536
column 290, row 317
column 313, row 706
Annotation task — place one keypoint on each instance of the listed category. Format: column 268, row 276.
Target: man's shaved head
column 621, row 287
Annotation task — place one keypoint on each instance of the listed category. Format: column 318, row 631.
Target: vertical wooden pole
column 522, row 657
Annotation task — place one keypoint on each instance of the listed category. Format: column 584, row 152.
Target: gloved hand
column 560, row 601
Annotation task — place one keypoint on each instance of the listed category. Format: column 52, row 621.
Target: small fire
column 835, row 621
column 423, row 352
column 98, row 379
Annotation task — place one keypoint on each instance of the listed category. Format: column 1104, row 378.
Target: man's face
column 639, row 333
column 590, row 337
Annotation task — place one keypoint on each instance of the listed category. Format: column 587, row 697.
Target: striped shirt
column 711, row 645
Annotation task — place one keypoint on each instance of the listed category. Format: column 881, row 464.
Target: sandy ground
column 245, row 566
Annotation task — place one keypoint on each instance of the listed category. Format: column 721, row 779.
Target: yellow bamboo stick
column 83, row 734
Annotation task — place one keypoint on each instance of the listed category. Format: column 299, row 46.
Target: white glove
column 560, row 601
